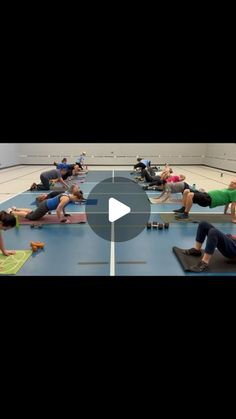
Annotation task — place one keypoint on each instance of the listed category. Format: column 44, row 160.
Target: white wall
column 221, row 155
column 9, row 154
column 113, row 153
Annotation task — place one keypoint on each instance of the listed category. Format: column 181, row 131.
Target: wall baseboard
column 219, row 168
column 128, row 165
column 7, row 167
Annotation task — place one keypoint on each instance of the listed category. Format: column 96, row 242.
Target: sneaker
column 33, row 186
column 9, row 210
column 179, row 210
column 13, row 208
column 200, row 267
column 192, row 252
column 183, row 216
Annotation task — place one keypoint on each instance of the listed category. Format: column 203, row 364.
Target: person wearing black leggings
column 225, row 243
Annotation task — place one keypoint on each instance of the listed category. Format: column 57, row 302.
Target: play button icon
column 117, row 210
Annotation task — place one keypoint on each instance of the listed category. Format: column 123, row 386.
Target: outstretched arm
column 2, row 248
column 62, row 182
column 60, row 209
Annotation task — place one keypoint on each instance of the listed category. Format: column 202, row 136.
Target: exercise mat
column 196, row 218
column 218, row 262
column 10, row 265
column 53, row 219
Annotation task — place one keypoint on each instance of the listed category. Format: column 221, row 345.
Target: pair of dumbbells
column 157, row 226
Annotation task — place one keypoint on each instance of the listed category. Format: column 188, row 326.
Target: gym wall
column 113, row 153
column 9, row 154
column 222, row 156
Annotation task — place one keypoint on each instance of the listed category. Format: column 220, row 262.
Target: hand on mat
column 9, row 252
column 65, row 221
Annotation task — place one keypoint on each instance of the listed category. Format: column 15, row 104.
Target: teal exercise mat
column 196, row 218
column 218, row 263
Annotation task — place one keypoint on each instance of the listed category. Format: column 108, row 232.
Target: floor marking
column 112, row 250
column 93, row 263
column 16, row 178
column 198, row 174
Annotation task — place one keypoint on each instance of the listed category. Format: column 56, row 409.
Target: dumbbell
column 160, row 226
column 149, row 226
column 155, row 224
column 166, row 225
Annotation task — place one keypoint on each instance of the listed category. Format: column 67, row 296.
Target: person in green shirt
column 210, row 199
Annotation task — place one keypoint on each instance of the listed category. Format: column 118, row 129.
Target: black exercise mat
column 218, row 262
column 196, row 218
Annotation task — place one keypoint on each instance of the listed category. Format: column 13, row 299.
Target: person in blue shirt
column 42, row 197
column 80, row 160
column 142, row 163
column 57, row 203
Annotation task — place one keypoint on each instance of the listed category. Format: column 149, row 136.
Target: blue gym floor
column 77, row 250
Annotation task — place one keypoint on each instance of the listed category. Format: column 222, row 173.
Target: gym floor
column 77, row 250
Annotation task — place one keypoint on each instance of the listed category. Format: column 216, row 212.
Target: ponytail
column 7, row 220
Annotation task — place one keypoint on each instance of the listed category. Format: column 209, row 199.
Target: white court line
column 12, row 197
column 112, row 250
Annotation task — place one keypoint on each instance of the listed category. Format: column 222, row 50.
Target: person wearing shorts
column 210, row 199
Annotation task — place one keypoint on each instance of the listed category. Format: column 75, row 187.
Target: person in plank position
column 171, row 187
column 225, row 243
column 57, row 203
column 7, row 222
column 210, row 199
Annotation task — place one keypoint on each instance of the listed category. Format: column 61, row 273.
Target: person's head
column 7, row 221
column 64, row 160
column 76, row 196
column 83, row 153
column 74, row 188
column 139, row 159
column 232, row 184
column 181, row 178
column 41, row 197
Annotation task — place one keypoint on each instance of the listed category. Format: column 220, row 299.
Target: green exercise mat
column 10, row 265
column 196, row 218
